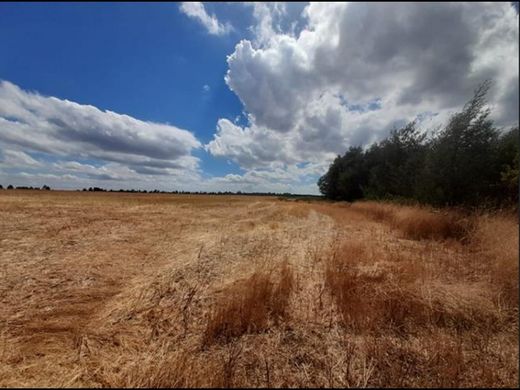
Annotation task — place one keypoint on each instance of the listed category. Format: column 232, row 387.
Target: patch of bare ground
column 159, row 290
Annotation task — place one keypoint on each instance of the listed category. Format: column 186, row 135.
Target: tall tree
column 461, row 163
column 468, row 162
column 395, row 163
column 509, row 165
column 353, row 177
column 328, row 183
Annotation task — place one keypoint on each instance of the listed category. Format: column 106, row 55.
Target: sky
column 234, row 96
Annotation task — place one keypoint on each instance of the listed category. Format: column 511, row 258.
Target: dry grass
column 247, row 305
column 496, row 240
column 371, row 300
column 135, row 290
column 437, row 316
column 419, row 222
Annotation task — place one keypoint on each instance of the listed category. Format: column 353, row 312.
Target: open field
column 109, row 289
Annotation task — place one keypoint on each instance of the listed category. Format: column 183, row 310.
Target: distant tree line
column 468, row 162
column 11, row 187
column 133, row 191
column 285, row 194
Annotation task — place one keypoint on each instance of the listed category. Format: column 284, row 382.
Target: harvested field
column 159, row 290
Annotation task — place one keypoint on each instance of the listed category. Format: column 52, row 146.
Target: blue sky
column 231, row 96
column 126, row 58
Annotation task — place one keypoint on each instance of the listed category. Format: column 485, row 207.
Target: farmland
column 110, row 289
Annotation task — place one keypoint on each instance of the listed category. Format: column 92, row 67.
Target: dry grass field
column 110, row 289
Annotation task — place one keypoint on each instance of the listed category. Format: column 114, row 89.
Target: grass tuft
column 248, row 305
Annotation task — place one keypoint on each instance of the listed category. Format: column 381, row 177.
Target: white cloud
column 277, row 178
column 249, row 146
column 196, row 10
column 62, row 127
column 16, row 158
column 125, row 148
column 355, row 70
column 267, row 16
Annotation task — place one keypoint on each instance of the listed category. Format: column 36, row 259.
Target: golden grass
column 496, row 239
column 439, row 315
column 371, row 301
column 247, row 305
column 419, row 222
column 156, row 290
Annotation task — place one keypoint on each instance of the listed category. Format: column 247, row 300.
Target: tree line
column 138, row 191
column 11, row 187
column 100, row 189
column 468, row 162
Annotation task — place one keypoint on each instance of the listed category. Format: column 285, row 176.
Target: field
column 108, row 289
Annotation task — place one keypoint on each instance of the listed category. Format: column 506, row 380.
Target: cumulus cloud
column 58, row 126
column 124, row 147
column 249, row 146
column 196, row 10
column 268, row 17
column 354, row 71
column 276, row 178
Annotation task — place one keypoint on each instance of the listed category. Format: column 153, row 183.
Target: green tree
column 395, row 163
column 461, row 164
column 347, row 176
column 328, row 183
column 353, row 176
column 508, row 162
column 468, row 162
